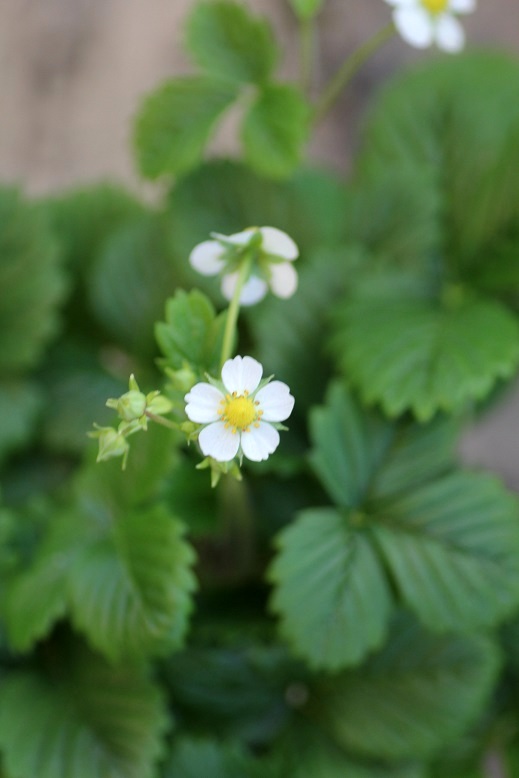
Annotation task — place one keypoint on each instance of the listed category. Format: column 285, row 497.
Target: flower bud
column 131, row 405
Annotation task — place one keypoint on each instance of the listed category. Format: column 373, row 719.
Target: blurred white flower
column 239, row 419
column 274, row 252
column 422, row 23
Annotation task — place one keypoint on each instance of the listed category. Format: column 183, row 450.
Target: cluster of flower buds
column 135, row 409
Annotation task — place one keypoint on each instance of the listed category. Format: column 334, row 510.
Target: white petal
column 462, row 6
column 206, row 258
column 275, row 401
column 259, row 442
column 242, row 238
column 278, row 243
column 202, row 403
column 241, row 374
column 449, row 34
column 415, row 26
column 254, row 289
column 283, row 279
column 219, row 442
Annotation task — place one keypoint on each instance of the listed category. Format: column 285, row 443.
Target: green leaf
column 85, row 719
column 192, row 333
column 437, row 119
column 306, row 9
column 19, row 406
column 416, row 355
column 331, row 592
column 130, row 590
column 129, row 283
column 175, row 122
column 192, row 758
column 30, row 279
column 420, row 693
column 452, row 548
column 360, row 457
column 275, row 130
column 229, row 42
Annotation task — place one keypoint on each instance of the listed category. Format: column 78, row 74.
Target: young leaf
column 230, row 43
column 306, row 9
column 331, row 591
column 275, row 130
column 85, row 719
column 421, row 356
column 452, row 548
column 175, row 122
column 130, row 590
column 418, row 694
column 192, row 333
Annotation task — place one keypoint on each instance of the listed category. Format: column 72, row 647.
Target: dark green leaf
column 227, row 41
column 91, row 719
column 30, row 279
column 418, row 694
column 130, row 282
column 453, row 550
column 424, row 357
column 19, row 406
column 275, row 130
column 175, row 122
column 331, row 592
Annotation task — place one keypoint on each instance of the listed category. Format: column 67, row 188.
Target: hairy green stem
column 348, row 69
column 233, row 311
column 171, row 425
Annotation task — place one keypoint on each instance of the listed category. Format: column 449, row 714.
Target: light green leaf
column 31, row 281
column 421, row 356
column 306, row 9
column 19, row 406
column 420, row 693
column 175, row 122
column 275, row 130
column 229, row 42
column 129, row 283
column 82, row 719
column 452, row 548
column 192, row 333
column 331, row 592
column 130, row 589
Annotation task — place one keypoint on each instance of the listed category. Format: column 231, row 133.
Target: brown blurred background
column 72, row 73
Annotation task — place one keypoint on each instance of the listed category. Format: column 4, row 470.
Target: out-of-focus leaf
column 20, row 403
column 175, row 121
column 229, row 42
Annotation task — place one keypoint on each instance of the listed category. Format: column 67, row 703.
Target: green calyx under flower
column 136, row 406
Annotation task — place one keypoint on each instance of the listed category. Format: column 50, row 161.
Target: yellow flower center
column 239, row 412
column 435, row 6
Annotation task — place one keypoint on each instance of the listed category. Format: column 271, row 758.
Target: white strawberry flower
column 273, row 254
column 240, row 417
column 422, row 23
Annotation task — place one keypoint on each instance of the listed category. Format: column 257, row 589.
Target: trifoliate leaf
column 418, row 694
column 275, row 130
column 452, row 548
column 30, row 279
column 84, row 718
column 229, row 42
column 422, row 356
column 129, row 283
column 175, row 122
column 306, row 9
column 130, row 589
column 19, row 406
column 331, row 591
column 192, row 334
